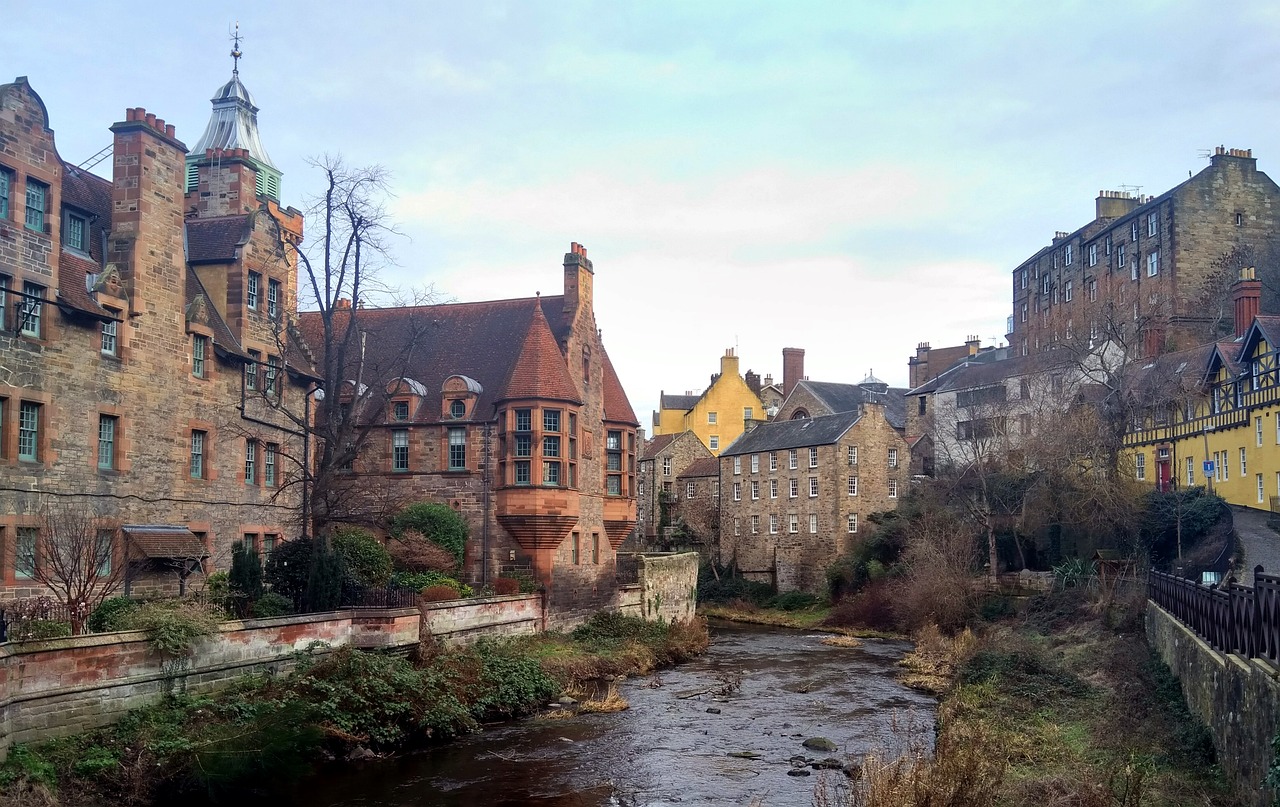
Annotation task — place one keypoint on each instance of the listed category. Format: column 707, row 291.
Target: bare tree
column 74, row 555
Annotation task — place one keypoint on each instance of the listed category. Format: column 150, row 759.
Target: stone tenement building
column 1152, row 272
column 795, row 494
column 135, row 315
column 510, row 411
column 805, row 398
column 727, row 408
column 663, row 463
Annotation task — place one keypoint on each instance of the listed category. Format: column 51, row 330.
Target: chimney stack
column 792, row 368
column 578, row 277
column 1247, row 296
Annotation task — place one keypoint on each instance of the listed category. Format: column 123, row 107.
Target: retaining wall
column 1236, row 698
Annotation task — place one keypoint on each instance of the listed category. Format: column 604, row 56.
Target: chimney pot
column 129, row 114
column 151, row 119
column 169, row 130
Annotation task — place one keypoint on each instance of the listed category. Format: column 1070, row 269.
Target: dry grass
column 611, row 702
column 933, row 663
column 558, row 714
column 842, row 641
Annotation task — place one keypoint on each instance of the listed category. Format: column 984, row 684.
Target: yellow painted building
column 719, row 415
column 1233, row 421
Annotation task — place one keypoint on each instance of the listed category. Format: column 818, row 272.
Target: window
column 551, row 420
column 1068, row 256
column 813, row 523
column 853, row 486
column 102, row 541
column 1141, row 467
column 110, row 343
column 573, row 551
column 711, row 417
column 1093, row 291
column 1120, row 261
column 813, row 487
column 1022, row 279
column 792, row 459
column 1093, row 254
column 1152, row 225
column 400, row 410
column 794, row 488
column 273, row 374
column 6, row 183
column 1261, row 489
column 458, row 448
column 75, row 232
column 1239, row 217
column 25, row 553
column 273, row 299
column 755, row 490
column 251, row 462
column 813, row 458
column 1067, row 289
column 1153, row 264
column 755, row 525
column 714, row 441
column 853, row 522
column 773, row 523
column 251, row 370
column 793, row 523
column 1133, row 231
column 269, row 465
column 106, row 442
column 1257, row 428
column 715, row 489
column 1191, row 471
column 524, row 420
column 737, row 491
column 893, row 488
column 1244, row 469
column 551, row 473
column 595, row 547
column 32, row 307
column 737, row 528
column 457, row 409
column 269, row 541
column 1278, row 428
column 37, row 195
column 737, row 466
column 893, row 458
column 29, row 431
column 523, row 476
column 1045, row 284
column 773, row 488
column 747, row 413
column 197, row 454
column 251, row 291
column 688, row 490
column 853, row 455
column 524, row 448
column 4, row 295
column 400, row 448
column 1023, row 315
column 1133, row 271
column 666, row 466
column 198, row 345
column 773, row 460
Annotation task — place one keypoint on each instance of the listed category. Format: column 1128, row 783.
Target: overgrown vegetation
column 264, row 733
column 437, row 523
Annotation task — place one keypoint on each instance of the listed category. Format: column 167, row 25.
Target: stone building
column 663, row 462
column 510, row 411
column 929, row 362
column 1158, row 268
column 795, row 494
column 805, row 398
column 729, row 406
column 142, row 321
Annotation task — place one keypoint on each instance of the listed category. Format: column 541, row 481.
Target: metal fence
column 1230, row 617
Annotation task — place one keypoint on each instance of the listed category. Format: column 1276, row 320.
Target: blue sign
column 1208, row 468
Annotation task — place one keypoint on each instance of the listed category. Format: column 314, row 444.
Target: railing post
column 1257, row 644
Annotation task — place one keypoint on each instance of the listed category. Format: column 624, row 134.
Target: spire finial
column 235, row 50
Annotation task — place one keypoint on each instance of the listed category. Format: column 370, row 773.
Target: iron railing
column 1230, row 617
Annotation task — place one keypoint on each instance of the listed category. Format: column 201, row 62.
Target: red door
column 1163, row 474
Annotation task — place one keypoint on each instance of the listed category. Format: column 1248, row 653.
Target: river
column 668, row 748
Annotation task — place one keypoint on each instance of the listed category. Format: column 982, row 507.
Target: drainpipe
column 486, row 481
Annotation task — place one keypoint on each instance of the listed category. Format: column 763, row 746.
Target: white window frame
column 1140, row 466
column 773, row 460
column 688, row 490
column 1244, row 464
column 1068, row 255
column 853, row 486
column 1093, row 254
column 813, row 458
column 1262, row 492
column 773, row 523
column 714, row 441
column 1257, row 427
column 253, row 291
column 755, row 490
column 1153, row 264
column 793, row 459
column 893, row 458
column 793, row 524
column 852, row 522
column 737, row 491
column 1067, row 289
column 1191, row 472
column 813, row 523
column 1153, row 225
column 773, row 488
column 737, row 466
column 755, row 525
column 755, row 463
column 813, row 487
column 711, row 417
column 794, row 488
column 1093, row 291
column 893, row 488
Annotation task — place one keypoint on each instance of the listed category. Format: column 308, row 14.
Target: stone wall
column 669, row 586
column 1236, row 698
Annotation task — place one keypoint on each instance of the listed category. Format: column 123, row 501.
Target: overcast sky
column 847, row 177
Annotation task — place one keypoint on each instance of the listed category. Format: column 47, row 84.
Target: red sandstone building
column 135, row 314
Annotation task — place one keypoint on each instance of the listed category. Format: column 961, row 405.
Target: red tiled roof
column 616, row 406
column 540, row 370
column 215, row 240
column 656, row 444
column 707, row 466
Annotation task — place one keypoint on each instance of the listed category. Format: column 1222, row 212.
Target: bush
column 793, row 601
column 272, row 604
column 728, row 589
column 439, row 594
column 289, row 566
column 367, row 561
column 112, row 614
column 420, row 580
column 39, row 629
column 245, row 579
column 438, row 523
column 173, row 626
column 411, row 551
column 504, row 586
column 324, row 579
column 871, row 608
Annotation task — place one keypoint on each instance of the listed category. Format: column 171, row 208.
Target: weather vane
column 235, row 50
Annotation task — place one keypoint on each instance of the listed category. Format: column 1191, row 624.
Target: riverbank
column 264, row 733
column 815, row 618
column 1065, row 704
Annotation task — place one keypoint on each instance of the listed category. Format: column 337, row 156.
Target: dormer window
column 400, row 410
column 457, row 409
column 75, row 232
column 37, row 198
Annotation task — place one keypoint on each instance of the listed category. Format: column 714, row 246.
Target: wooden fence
column 1230, row 617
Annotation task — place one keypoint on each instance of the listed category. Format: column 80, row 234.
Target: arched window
column 457, row 409
column 799, row 414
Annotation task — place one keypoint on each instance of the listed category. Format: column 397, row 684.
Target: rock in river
column 819, row 744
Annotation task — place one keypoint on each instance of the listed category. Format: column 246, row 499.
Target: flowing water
column 669, row 748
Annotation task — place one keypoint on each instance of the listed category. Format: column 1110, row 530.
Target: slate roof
column 784, row 434
column 481, row 340
column 164, row 541
column 92, row 195
column 656, row 444
column 851, row 397
column 707, row 466
column 973, row 374
column 682, row 403
column 222, row 336
column 215, row 240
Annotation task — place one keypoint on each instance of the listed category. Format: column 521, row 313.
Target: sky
column 851, row 178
